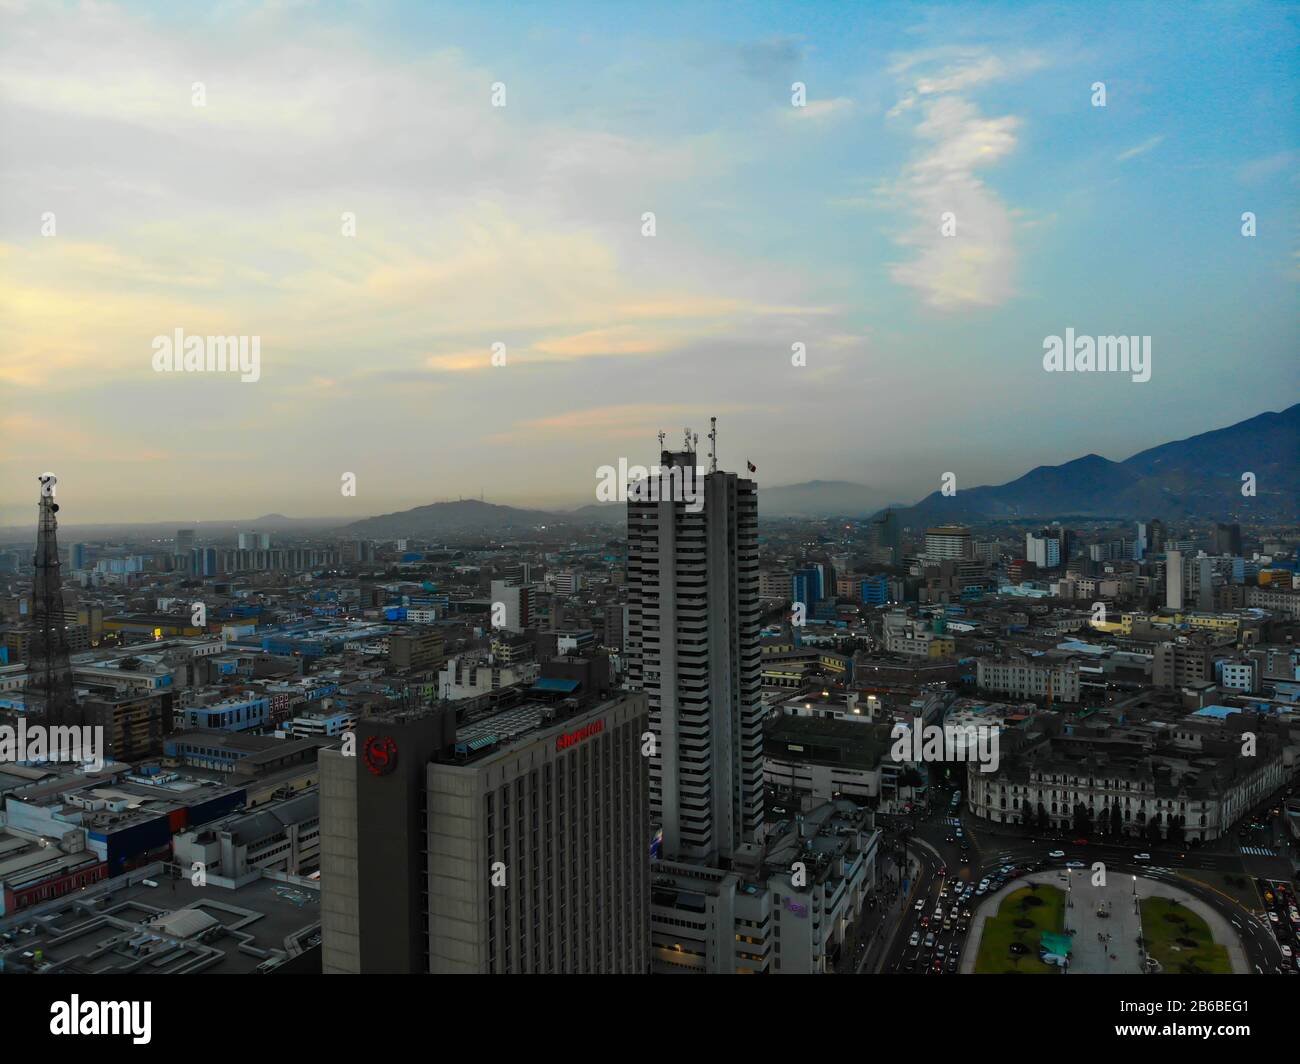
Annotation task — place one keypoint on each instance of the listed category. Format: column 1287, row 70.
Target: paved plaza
column 1108, row 911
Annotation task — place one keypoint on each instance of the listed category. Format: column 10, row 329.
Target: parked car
column 1057, row 853
column 1141, row 857
column 1075, row 864
column 915, row 940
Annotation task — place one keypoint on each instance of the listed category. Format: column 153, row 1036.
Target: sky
column 498, row 162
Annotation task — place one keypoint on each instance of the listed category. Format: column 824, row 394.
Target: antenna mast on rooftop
column 713, row 445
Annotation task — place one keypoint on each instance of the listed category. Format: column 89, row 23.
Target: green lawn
column 995, row 956
column 1162, row 936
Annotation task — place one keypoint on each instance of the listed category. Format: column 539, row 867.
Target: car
column 1274, row 917
column 938, row 913
column 1056, row 853
column 965, row 857
column 952, row 965
column 1007, row 869
column 965, row 914
column 920, row 904
column 915, row 940
column 1080, row 842
column 981, row 891
column 943, row 871
column 939, row 949
column 925, row 921
column 937, row 969
column 950, row 838
column 929, row 940
column 1075, row 864
column 1141, row 857
column 1286, row 950
column 985, row 881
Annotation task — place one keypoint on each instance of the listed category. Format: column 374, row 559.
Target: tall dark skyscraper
column 693, row 647
column 1227, row 539
column 51, row 674
column 886, row 538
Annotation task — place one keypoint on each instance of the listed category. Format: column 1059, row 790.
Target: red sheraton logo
column 572, row 738
column 380, row 754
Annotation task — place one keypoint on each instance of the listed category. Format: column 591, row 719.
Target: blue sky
column 522, row 225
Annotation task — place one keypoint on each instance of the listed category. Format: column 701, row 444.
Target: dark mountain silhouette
column 1200, row 476
column 467, row 515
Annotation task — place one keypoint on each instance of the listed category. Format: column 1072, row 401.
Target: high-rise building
column 78, row 556
column 184, row 541
column 806, row 587
column 518, row 842
column 1227, row 540
column 514, row 606
column 1049, row 548
column 1175, row 580
column 50, row 674
column 1141, row 543
column 886, row 539
column 693, row 648
column 1156, row 531
column 948, row 541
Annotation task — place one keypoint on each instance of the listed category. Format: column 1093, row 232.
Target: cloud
column 1259, row 170
column 975, row 266
column 819, row 111
column 1140, row 149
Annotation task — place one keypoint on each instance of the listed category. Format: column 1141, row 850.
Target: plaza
column 1105, row 922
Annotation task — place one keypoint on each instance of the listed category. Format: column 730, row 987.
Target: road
column 934, row 847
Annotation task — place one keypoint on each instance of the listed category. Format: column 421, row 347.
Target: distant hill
column 471, row 515
column 819, row 498
column 1196, row 477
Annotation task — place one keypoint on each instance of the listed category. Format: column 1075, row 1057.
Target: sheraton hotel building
column 509, row 834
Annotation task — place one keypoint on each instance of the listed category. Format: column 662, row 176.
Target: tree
column 1116, row 820
column 1176, row 835
column 1042, row 817
column 1153, row 828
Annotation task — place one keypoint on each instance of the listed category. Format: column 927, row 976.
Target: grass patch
column 1165, row 923
column 1000, row 931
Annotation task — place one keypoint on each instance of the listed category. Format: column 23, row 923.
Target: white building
column 1023, row 678
column 693, row 647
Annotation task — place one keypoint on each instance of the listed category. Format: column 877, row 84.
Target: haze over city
column 522, row 225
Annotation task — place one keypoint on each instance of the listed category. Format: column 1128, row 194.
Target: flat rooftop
column 175, row 928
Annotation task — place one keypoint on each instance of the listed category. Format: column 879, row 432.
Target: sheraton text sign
column 572, row 738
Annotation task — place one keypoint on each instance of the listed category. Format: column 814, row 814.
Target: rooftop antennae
column 713, row 445
column 661, row 439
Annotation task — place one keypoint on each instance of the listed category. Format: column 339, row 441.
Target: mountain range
column 1198, row 477
column 1201, row 476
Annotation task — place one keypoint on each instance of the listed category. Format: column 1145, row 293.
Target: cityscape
column 458, row 522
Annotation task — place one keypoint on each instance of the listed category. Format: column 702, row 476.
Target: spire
column 50, row 674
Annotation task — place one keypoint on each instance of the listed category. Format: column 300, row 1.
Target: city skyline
column 775, row 225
